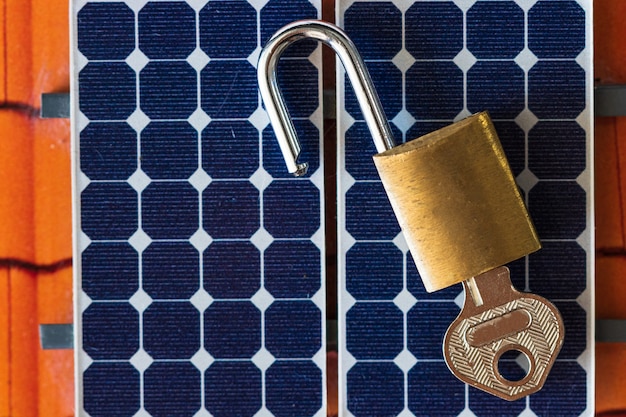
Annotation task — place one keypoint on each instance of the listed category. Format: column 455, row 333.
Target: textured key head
column 508, row 320
column 457, row 202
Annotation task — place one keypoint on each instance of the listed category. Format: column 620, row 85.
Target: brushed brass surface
column 457, row 202
column 507, row 320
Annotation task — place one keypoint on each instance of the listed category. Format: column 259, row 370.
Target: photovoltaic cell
column 528, row 63
column 200, row 262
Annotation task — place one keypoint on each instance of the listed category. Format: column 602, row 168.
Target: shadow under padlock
column 462, row 216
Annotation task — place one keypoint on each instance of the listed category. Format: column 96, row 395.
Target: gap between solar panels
column 330, row 214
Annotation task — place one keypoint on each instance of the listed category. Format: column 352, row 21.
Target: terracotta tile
column 52, row 193
column 610, row 382
column 35, row 209
column 54, row 297
column 610, row 287
column 52, row 198
column 50, row 49
column 16, row 179
column 3, row 63
column 56, row 383
column 18, row 82
column 609, row 223
column 609, row 35
column 23, row 329
column 5, row 348
column 620, row 138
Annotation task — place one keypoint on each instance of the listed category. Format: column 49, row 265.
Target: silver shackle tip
column 367, row 97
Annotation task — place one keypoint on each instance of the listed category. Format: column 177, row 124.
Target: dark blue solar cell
column 509, row 368
column 111, row 389
column 169, row 210
column 171, row 330
column 556, row 29
column 232, row 389
column 495, row 29
column 232, row 269
column 169, row 150
column 232, row 329
column 230, row 209
column 109, row 211
column 434, row 30
column 427, row 323
column 110, row 271
column 508, row 365
column 309, row 137
column 375, row 389
column 369, row 214
column 496, row 86
column 374, row 330
column 575, row 323
column 387, row 79
column 485, row 404
column 513, row 142
column 293, row 329
column 434, row 391
column 416, row 287
column 558, row 270
column 375, row 271
column 558, row 209
column 106, row 30
column 228, row 29
column 293, row 388
column 107, row 91
column 172, row 389
column 375, row 29
column 292, row 269
column 298, row 81
column 420, row 129
column 546, row 144
column 171, row 270
column 277, row 13
column 570, row 387
column 110, row 331
column 359, row 149
column 434, row 90
column 517, row 270
column 228, row 89
column 108, row 151
column 230, row 149
column 168, row 90
column 291, row 209
column 167, row 30
column 556, row 89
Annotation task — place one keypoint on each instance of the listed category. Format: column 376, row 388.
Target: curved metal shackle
column 366, row 95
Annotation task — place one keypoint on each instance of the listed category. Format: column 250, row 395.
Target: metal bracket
column 56, row 336
column 610, row 331
column 55, row 105
column 610, row 100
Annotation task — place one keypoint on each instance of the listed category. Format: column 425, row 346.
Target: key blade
column 507, row 320
column 495, row 288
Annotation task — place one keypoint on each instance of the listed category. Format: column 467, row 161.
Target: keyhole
column 514, row 365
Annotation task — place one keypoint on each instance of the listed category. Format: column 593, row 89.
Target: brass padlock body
column 457, row 202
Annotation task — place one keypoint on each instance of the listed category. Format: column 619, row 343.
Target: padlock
column 462, row 216
column 457, row 203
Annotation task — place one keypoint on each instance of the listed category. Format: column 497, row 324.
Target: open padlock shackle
column 366, row 95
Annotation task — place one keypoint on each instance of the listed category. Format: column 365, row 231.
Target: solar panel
column 528, row 63
column 189, row 297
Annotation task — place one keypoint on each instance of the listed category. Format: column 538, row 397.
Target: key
column 496, row 318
